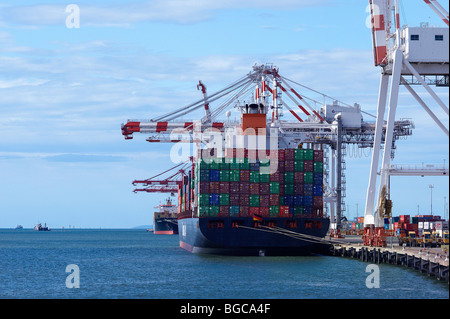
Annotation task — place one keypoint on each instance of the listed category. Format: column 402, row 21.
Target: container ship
column 231, row 207
column 165, row 221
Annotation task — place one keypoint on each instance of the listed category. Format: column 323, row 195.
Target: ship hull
column 165, row 226
column 197, row 236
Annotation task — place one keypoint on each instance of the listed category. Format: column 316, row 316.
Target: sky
column 64, row 93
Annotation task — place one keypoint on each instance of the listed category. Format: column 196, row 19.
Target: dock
column 431, row 261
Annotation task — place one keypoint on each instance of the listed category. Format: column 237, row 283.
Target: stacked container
column 234, row 186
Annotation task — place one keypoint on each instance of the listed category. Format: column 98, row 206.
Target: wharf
column 432, row 261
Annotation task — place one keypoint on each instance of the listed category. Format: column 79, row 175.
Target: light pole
column 431, row 191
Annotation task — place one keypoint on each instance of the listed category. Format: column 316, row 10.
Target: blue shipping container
column 214, row 175
column 308, row 201
column 298, row 200
column 214, row 199
column 318, row 190
column 318, row 178
column 288, row 200
column 254, row 166
column 308, row 189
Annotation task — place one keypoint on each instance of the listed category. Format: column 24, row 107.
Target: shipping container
column 274, row 211
column 234, row 211
column 298, row 166
column 254, row 188
column 254, row 176
column 288, row 189
column 234, row 187
column 224, row 175
column 308, row 177
column 275, row 177
column 224, row 187
column 274, row 199
column 289, row 166
column 274, row 187
column 254, row 200
column 264, row 188
column 318, row 156
column 288, row 200
column 264, row 211
column 244, row 199
column 224, row 211
column 224, row 199
column 214, row 199
column 264, row 200
column 244, row 188
column 298, row 155
column 318, row 167
column 264, row 178
column 289, row 177
column 308, row 154
column 243, row 211
column 284, row 211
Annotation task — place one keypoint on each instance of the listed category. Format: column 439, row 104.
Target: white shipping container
column 426, row 225
column 420, row 225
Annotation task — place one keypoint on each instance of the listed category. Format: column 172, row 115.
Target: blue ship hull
column 239, row 236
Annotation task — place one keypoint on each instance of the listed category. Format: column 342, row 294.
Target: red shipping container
column 244, row 175
column 308, row 166
column 264, row 188
column 275, row 177
column 264, row 211
column 241, row 153
column 253, row 211
column 288, row 166
column 224, row 211
column 289, row 154
column 234, row 187
column 224, row 187
column 284, row 211
column 243, row 211
column 254, row 188
column 264, row 200
column 404, row 219
column 214, row 187
column 203, row 187
column 244, row 188
column 318, row 155
column 244, row 199
column 281, row 156
column 298, row 177
column 318, row 202
column 234, row 199
column 281, row 168
column 298, row 189
column 274, row 199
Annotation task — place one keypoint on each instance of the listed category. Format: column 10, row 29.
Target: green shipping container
column 203, row 211
column 274, row 211
column 318, row 167
column 202, row 165
column 298, row 166
column 289, row 177
column 203, row 199
column 224, row 165
column 254, row 200
column 234, row 211
column 224, row 199
column 224, row 175
column 274, row 187
column 298, row 210
column 214, row 164
column 308, row 154
column 245, row 164
column 308, row 177
column 234, row 175
column 234, row 165
column 264, row 178
column 254, row 176
column 298, row 154
column 214, row 211
column 288, row 189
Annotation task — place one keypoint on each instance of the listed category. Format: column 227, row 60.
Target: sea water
column 76, row 263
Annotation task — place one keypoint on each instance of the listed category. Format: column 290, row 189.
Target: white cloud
column 175, row 11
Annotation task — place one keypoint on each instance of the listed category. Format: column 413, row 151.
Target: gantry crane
column 259, row 93
column 407, row 56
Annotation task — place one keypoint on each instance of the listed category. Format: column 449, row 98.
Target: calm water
column 137, row 264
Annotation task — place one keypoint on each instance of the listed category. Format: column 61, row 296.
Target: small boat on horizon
column 18, row 227
column 39, row 227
